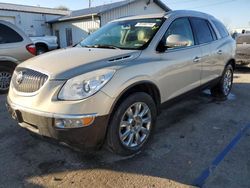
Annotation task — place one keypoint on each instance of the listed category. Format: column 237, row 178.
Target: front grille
column 27, row 80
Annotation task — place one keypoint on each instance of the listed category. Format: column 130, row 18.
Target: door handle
column 219, row 52
column 196, row 59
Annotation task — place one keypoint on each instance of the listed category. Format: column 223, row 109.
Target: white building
column 78, row 24
column 32, row 20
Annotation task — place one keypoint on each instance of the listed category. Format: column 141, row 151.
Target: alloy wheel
column 135, row 125
column 5, row 78
column 227, row 84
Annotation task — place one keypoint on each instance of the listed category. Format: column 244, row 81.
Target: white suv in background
column 15, row 47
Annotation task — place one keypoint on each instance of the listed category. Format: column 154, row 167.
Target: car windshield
column 129, row 34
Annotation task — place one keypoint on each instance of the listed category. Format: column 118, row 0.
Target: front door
column 182, row 66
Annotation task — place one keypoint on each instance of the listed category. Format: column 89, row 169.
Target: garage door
column 8, row 19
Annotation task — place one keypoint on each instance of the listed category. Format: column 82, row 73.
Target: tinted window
column 202, row 30
column 182, row 28
column 8, row 35
column 221, row 28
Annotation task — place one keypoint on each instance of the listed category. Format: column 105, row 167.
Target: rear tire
column 224, row 87
column 131, row 125
column 5, row 78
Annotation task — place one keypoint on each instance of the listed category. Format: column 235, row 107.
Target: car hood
column 70, row 62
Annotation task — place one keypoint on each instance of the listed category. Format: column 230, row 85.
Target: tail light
column 31, row 48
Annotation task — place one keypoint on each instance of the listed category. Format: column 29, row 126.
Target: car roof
column 146, row 16
column 189, row 13
column 10, row 25
column 167, row 15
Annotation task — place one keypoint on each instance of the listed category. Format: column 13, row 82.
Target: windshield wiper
column 102, row 46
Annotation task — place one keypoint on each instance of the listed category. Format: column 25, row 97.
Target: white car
column 45, row 43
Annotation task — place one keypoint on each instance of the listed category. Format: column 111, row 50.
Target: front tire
column 131, row 124
column 224, row 87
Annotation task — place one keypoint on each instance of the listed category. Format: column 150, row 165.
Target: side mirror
column 177, row 41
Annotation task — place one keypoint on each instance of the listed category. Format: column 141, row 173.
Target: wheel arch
column 7, row 63
column 42, row 44
column 231, row 62
column 141, row 86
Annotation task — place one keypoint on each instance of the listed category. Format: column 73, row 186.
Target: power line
column 180, row 2
column 213, row 4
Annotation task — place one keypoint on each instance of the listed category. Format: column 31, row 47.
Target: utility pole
column 90, row 3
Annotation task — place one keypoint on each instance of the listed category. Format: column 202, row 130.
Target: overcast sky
column 234, row 13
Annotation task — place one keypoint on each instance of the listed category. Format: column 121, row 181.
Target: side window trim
column 196, row 42
column 214, row 35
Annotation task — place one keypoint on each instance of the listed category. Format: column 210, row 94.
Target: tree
column 62, row 7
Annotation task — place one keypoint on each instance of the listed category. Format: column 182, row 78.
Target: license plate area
column 37, row 124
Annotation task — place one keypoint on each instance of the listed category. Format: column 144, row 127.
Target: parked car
column 45, row 43
column 243, row 50
column 15, row 47
column 112, row 85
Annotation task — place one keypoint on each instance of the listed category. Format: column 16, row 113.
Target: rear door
column 222, row 47
column 205, row 37
column 182, row 67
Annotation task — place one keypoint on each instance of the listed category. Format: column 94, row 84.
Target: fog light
column 73, row 123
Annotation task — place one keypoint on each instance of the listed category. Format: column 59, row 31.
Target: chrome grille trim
column 30, row 81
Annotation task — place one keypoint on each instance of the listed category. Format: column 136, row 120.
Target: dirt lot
column 189, row 136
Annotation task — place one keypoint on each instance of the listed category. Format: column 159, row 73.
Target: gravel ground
column 188, row 136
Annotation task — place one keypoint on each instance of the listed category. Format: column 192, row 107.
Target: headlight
column 85, row 85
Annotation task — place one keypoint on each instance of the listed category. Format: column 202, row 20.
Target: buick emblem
column 20, row 77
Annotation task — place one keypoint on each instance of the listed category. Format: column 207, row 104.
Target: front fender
column 120, row 83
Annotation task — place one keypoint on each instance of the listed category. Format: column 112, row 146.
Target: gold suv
column 111, row 86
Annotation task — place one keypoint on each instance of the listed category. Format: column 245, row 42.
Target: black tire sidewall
column 41, row 49
column 114, row 141
column 229, row 67
column 218, row 90
column 6, row 69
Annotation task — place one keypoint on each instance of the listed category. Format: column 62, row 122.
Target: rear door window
column 202, row 30
column 8, row 35
column 221, row 28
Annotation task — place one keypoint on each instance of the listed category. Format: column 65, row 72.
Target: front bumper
column 42, row 123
